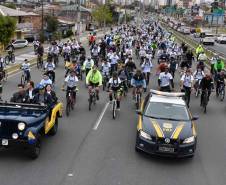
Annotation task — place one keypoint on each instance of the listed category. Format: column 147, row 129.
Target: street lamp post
column 43, row 38
column 78, row 19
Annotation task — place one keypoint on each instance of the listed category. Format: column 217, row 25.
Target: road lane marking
column 101, row 116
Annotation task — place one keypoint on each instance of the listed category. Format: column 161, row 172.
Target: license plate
column 5, row 142
column 166, row 149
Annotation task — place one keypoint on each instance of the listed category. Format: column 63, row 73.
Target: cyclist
column 138, row 82
column 219, row 65
column 46, row 80
column 114, row 61
column 2, row 66
column 114, row 86
column 206, row 84
column 95, row 54
column 165, row 80
column 198, row 76
column 49, row 68
column 66, row 52
column 201, row 60
column 146, row 69
column 71, row 81
column 94, row 80
column 187, row 85
column 26, row 69
column 199, row 50
column 220, row 77
column 213, row 61
column 87, row 65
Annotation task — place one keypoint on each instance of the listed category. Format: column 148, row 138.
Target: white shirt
column 71, row 81
column 50, row 66
column 46, row 82
column 146, row 67
column 187, row 80
column 25, row 66
column 114, row 59
column 106, row 68
column 115, row 82
column 165, row 79
column 198, row 75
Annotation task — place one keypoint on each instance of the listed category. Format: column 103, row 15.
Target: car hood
column 167, row 129
column 28, row 117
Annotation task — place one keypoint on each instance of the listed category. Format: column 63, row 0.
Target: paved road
column 218, row 48
column 82, row 155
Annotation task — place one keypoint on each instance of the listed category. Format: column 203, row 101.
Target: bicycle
column 9, row 58
column 105, row 81
column 221, row 91
column 197, row 87
column 114, row 102
column 39, row 62
column 204, row 101
column 138, row 97
column 24, row 77
column 92, row 98
column 71, row 100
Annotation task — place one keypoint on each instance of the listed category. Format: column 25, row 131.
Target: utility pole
column 125, row 13
column 43, row 37
column 78, row 18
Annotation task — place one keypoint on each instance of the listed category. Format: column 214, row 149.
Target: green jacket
column 199, row 49
column 219, row 66
column 94, row 78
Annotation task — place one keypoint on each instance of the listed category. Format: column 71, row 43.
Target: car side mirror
column 139, row 112
column 194, row 118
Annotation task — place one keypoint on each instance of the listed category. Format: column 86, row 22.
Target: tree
column 102, row 15
column 10, row 5
column 52, row 23
column 7, row 29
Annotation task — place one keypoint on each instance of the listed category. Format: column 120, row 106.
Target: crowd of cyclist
column 111, row 63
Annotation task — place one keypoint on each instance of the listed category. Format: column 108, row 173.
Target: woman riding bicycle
column 114, row 86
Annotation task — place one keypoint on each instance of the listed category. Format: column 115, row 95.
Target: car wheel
column 54, row 129
column 35, row 150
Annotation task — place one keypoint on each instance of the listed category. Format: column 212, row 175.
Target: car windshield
column 167, row 111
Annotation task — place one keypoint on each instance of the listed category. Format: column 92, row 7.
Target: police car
column 165, row 126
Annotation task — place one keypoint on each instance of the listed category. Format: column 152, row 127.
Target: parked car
column 20, row 43
column 221, row 39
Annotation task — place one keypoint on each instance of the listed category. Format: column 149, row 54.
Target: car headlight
column 145, row 135
column 21, row 126
column 189, row 140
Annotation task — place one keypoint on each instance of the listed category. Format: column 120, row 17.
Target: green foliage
column 10, row 5
column 52, row 23
column 7, row 29
column 56, row 36
column 102, row 14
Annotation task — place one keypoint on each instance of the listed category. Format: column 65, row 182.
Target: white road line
column 101, row 116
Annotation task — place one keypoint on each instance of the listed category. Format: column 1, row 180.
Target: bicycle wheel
column 13, row 58
column 68, row 107
column 222, row 95
column 104, row 84
column 22, row 79
column 114, row 109
column 7, row 60
column 90, row 101
column 138, row 101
